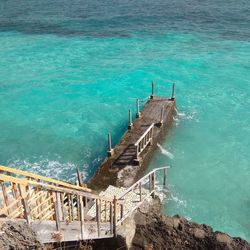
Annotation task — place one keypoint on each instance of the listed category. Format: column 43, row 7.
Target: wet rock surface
column 14, row 235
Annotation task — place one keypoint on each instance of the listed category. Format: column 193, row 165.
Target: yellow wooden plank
column 16, row 212
column 25, row 183
column 34, row 197
column 5, row 209
column 45, row 210
column 42, row 203
column 48, row 215
column 43, row 178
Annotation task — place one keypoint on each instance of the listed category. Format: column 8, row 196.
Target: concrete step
column 130, row 200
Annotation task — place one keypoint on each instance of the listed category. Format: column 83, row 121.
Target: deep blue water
column 70, row 70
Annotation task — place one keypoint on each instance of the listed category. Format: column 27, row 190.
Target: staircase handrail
column 140, row 180
column 42, row 178
column 49, row 187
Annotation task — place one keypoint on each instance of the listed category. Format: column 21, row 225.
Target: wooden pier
column 127, row 160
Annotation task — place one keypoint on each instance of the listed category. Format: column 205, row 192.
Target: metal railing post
column 153, row 184
column 138, row 113
column 164, row 176
column 172, row 96
column 130, row 125
column 162, row 114
column 111, row 218
column 152, row 93
column 98, row 216
column 110, row 149
column 115, row 216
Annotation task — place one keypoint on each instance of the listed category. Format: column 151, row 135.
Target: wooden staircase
column 59, row 211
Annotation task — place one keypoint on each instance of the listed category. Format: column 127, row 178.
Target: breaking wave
column 165, row 152
column 185, row 116
column 50, row 168
column 177, row 200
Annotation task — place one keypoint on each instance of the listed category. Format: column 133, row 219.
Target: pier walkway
column 127, row 160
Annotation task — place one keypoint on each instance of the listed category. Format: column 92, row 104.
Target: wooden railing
column 36, row 201
column 93, row 216
column 144, row 140
column 39, row 178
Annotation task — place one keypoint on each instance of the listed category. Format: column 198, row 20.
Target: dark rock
column 164, row 232
column 15, row 235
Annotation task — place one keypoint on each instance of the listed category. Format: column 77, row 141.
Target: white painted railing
column 143, row 189
column 144, row 140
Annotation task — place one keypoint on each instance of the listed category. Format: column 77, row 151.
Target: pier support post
column 98, row 217
column 115, row 216
column 130, row 125
column 153, row 185
column 162, row 114
column 172, row 96
column 164, row 177
column 152, row 94
column 110, row 149
column 111, row 214
column 138, row 113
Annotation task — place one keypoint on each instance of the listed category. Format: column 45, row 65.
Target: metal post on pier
column 152, row 94
column 172, row 96
column 115, row 216
column 111, row 210
column 98, row 217
column 138, row 113
column 153, row 184
column 130, row 125
column 162, row 114
column 164, row 177
column 110, row 149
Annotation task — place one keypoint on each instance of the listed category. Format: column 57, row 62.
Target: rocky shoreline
column 155, row 231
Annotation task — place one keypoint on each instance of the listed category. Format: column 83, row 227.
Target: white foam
column 50, row 168
column 185, row 116
column 179, row 202
column 165, row 152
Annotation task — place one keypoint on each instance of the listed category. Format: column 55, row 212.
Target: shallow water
column 71, row 70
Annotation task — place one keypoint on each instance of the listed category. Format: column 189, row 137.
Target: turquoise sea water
column 69, row 72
